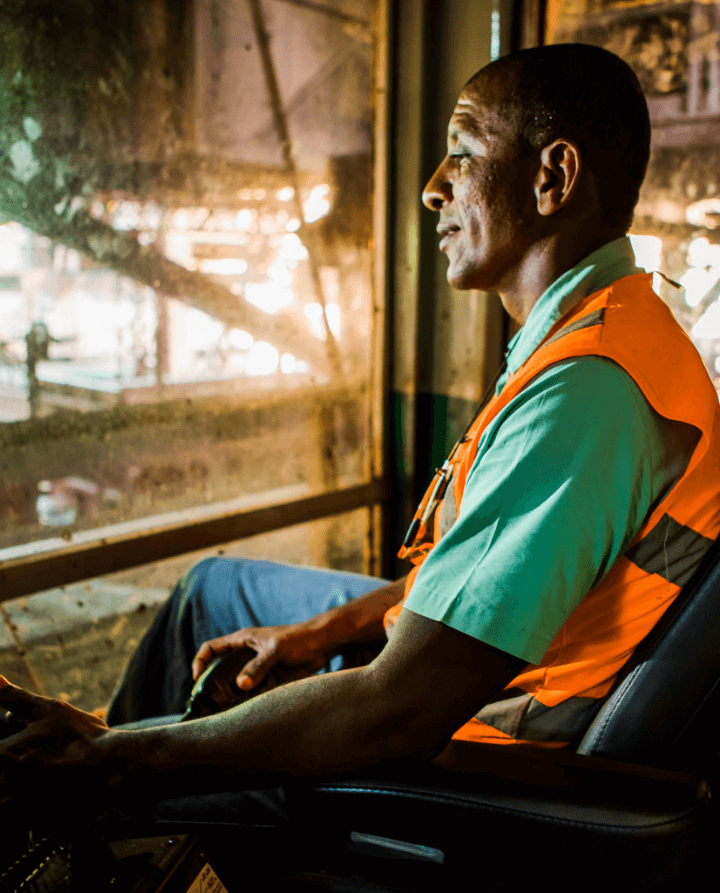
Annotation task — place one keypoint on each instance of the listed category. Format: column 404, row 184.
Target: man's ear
column 557, row 180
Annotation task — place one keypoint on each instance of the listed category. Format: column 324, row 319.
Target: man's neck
column 549, row 259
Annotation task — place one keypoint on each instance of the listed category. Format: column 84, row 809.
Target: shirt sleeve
column 563, row 479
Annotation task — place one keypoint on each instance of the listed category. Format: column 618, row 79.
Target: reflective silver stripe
column 448, row 510
column 525, row 718
column 671, row 550
column 585, row 322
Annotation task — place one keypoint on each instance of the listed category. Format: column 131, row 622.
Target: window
column 186, row 271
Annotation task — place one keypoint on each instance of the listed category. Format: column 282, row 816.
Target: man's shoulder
column 589, row 378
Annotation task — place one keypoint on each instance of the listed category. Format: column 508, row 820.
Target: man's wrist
column 359, row 620
column 109, row 757
column 128, row 760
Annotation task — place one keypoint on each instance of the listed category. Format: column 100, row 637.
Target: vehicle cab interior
column 226, row 330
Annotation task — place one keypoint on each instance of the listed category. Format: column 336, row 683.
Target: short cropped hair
column 590, row 96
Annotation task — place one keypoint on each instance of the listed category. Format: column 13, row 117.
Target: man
column 559, row 529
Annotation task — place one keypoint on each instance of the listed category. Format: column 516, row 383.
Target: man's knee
column 215, row 572
column 209, row 579
column 198, row 573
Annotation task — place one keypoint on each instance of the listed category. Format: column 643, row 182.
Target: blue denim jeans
column 216, row 597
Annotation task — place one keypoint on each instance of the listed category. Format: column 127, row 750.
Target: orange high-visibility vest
column 554, row 701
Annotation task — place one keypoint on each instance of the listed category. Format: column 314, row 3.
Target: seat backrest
column 665, row 706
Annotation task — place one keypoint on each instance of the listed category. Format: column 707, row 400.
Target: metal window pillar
column 444, row 345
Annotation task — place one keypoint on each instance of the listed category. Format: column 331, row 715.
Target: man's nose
column 438, row 192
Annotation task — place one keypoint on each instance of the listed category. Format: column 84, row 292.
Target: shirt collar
column 613, row 261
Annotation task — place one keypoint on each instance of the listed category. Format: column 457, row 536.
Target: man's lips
column 446, row 231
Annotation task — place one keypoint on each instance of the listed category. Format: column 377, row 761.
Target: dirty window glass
column 185, row 271
column 674, row 48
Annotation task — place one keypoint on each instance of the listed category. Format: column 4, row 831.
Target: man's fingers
column 244, row 682
column 253, row 672
column 23, row 704
column 207, row 653
column 198, row 664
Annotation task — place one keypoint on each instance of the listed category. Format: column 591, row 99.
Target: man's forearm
column 425, row 684
column 332, row 723
column 358, row 621
column 428, row 681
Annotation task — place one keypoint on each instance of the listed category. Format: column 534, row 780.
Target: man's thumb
column 252, row 673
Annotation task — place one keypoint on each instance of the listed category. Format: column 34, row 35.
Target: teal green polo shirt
column 563, row 479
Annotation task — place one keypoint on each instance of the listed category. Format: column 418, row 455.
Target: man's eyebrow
column 468, row 126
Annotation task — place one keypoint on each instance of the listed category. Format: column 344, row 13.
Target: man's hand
column 50, row 762
column 304, row 646
column 289, row 646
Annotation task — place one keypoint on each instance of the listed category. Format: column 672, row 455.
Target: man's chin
column 460, row 281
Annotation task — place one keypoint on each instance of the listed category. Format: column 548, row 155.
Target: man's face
column 483, row 190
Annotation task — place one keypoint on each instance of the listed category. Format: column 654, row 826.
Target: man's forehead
column 475, row 116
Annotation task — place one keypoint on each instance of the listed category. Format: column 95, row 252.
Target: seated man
column 558, row 531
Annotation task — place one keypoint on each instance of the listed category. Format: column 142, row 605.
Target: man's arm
column 428, row 681
column 310, row 644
